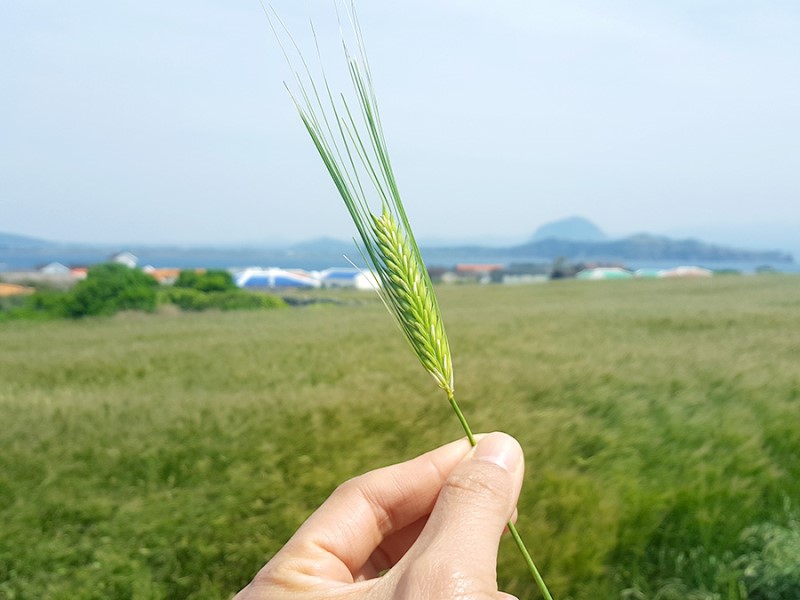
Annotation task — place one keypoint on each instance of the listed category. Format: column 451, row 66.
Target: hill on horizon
column 12, row 240
column 646, row 246
column 574, row 238
column 572, row 229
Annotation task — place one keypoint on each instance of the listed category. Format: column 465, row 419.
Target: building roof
column 12, row 289
column 274, row 277
column 604, row 273
column 163, row 275
column 55, row 267
column 687, row 272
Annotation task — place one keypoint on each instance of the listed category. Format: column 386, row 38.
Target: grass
column 157, row 456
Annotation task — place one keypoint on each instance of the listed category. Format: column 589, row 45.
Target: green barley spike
column 409, row 298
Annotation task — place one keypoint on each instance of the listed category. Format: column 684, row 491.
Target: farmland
column 168, row 456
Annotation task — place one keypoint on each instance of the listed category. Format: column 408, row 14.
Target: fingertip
column 504, row 451
column 501, row 449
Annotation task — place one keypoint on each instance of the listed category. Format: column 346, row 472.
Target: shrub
column 48, row 303
column 771, row 567
column 214, row 280
column 245, row 301
column 270, row 301
column 110, row 288
column 186, row 298
column 10, row 303
column 195, row 300
column 42, row 305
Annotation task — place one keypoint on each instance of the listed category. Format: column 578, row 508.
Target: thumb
column 476, row 502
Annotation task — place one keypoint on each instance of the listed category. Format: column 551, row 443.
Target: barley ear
column 408, row 296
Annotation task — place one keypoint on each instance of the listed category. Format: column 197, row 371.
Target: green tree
column 112, row 287
column 213, row 280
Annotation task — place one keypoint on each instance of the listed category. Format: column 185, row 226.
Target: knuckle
column 277, row 573
column 486, row 483
column 350, row 490
column 346, row 488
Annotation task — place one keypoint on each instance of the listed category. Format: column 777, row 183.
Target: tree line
column 110, row 288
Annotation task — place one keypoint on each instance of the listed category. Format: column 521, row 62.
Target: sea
column 27, row 259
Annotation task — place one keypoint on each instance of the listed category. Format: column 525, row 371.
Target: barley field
column 168, row 456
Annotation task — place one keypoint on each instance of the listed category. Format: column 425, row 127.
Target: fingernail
column 500, row 449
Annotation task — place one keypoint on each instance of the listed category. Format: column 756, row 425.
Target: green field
column 169, row 455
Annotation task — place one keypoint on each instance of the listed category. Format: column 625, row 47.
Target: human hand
column 425, row 529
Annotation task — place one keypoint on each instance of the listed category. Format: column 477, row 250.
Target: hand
column 425, row 529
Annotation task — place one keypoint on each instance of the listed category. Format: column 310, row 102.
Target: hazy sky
column 168, row 122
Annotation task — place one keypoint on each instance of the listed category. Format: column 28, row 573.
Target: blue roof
column 286, row 281
column 260, row 281
column 341, row 274
column 269, row 280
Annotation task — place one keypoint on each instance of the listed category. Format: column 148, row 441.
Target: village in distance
column 569, row 248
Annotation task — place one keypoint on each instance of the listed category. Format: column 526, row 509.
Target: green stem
column 529, row 561
column 461, row 417
column 511, row 527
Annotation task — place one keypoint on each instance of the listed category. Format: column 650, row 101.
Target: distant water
column 226, row 258
column 183, row 258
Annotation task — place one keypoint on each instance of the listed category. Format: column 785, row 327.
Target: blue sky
column 168, row 122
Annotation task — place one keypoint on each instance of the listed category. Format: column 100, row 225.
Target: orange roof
column 79, row 272
column 11, row 289
column 161, row 275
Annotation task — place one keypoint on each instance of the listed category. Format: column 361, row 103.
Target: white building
column 348, row 278
column 604, row 273
column 687, row 272
column 54, row 268
column 125, row 258
column 270, row 278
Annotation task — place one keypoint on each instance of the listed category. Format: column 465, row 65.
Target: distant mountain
column 23, row 252
column 645, row 247
column 574, row 229
column 12, row 241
